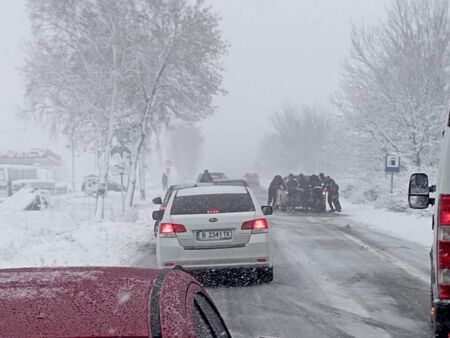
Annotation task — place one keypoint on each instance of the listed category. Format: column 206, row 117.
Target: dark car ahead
column 90, row 185
column 214, row 175
column 105, row 302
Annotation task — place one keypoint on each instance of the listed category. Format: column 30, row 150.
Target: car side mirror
column 419, row 191
column 157, row 215
column 267, row 210
column 157, row 200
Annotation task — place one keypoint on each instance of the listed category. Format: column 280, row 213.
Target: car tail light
column 169, row 230
column 212, row 211
column 257, row 226
column 443, row 247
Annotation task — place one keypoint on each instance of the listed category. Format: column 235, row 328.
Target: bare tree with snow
column 301, row 140
column 178, row 68
column 395, row 88
column 106, row 66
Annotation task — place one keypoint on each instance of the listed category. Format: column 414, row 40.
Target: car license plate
column 213, row 235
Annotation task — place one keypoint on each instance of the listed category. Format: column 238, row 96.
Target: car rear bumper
column 232, row 276
column 254, row 254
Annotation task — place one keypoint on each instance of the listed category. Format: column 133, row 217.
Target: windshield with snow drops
column 225, row 168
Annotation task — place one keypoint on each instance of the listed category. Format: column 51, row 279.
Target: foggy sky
column 281, row 52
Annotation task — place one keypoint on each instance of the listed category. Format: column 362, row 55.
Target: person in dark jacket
column 314, row 181
column 323, row 179
column 333, row 196
column 292, row 186
column 302, row 181
column 277, row 181
column 206, row 177
column 165, row 180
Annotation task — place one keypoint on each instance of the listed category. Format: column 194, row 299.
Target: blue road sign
column 392, row 164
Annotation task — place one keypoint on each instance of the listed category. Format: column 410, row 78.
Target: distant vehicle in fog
column 90, row 184
column 36, row 184
column 214, row 176
column 252, row 179
column 302, row 192
column 11, row 173
column 215, row 227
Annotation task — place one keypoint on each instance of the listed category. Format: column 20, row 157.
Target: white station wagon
column 215, row 227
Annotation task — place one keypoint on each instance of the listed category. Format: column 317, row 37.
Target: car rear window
column 211, row 204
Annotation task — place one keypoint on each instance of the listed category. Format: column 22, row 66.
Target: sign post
column 392, row 166
column 121, row 169
column 121, row 165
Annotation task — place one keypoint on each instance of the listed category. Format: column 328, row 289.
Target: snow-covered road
column 332, row 282
column 334, row 277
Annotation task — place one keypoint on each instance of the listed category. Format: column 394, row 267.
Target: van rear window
column 212, row 204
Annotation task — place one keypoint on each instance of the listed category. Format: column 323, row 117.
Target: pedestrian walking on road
column 165, row 179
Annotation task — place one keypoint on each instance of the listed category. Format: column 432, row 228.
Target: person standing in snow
column 206, row 177
column 292, row 186
column 314, row 181
column 277, row 181
column 302, row 181
column 165, row 179
column 333, row 196
column 323, row 179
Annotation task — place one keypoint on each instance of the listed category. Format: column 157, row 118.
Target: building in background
column 36, row 157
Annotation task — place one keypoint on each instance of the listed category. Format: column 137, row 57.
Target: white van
column 419, row 198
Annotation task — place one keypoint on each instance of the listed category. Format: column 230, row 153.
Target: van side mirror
column 419, row 191
column 157, row 200
column 267, row 210
column 157, row 215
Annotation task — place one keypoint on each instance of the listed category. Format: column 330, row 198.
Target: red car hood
column 75, row 302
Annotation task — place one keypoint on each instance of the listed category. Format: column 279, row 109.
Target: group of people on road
column 291, row 184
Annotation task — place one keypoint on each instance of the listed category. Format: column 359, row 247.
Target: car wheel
column 265, row 275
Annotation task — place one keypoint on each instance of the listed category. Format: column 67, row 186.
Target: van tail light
column 257, row 226
column 443, row 247
column 170, row 230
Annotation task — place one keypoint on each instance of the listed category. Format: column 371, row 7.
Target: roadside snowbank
column 67, row 234
column 415, row 227
column 17, row 202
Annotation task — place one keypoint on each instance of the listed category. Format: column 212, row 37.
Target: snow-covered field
column 67, row 234
column 414, row 226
